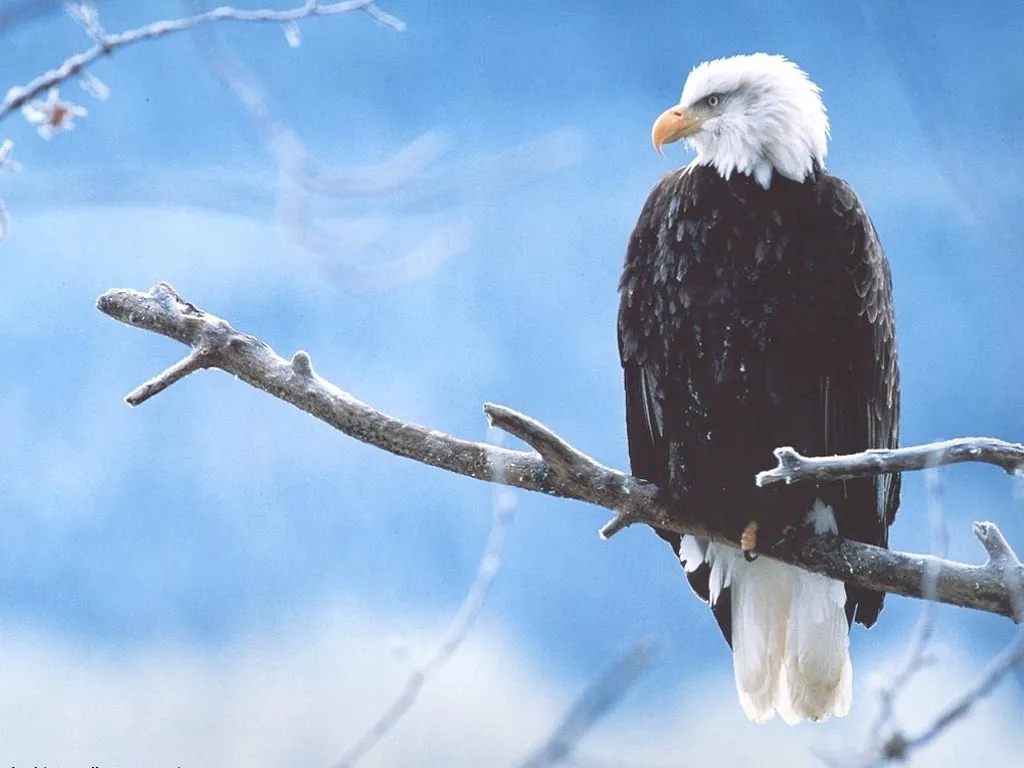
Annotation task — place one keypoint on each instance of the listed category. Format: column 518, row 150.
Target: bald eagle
column 756, row 312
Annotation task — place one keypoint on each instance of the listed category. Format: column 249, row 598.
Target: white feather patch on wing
column 691, row 552
column 822, row 519
column 723, row 561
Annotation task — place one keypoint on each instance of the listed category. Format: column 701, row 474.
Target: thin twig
column 987, row 587
column 795, row 468
column 594, row 704
column 196, row 359
column 563, row 459
column 109, row 43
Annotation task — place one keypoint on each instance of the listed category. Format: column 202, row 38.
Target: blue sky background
column 215, row 577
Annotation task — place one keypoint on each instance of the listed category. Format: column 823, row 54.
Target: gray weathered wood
column 556, row 468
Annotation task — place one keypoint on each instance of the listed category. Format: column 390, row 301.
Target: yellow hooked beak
column 672, row 125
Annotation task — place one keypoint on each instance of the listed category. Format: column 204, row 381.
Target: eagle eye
column 712, row 100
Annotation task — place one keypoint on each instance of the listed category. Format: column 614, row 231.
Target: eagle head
column 751, row 114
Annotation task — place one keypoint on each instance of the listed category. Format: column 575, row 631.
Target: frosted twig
column 86, row 14
column 7, row 162
column 109, row 43
column 795, row 468
column 991, row 587
column 196, row 359
column 504, row 508
column 594, row 704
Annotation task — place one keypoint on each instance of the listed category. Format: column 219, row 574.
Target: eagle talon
column 748, row 539
column 792, row 537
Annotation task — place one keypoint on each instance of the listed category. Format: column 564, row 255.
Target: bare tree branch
column 555, row 467
column 794, row 468
column 107, row 44
column 594, row 704
column 195, row 360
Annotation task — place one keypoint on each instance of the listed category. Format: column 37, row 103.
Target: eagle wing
column 644, row 375
column 861, row 394
column 699, row 360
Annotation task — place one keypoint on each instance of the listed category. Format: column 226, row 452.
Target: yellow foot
column 748, row 540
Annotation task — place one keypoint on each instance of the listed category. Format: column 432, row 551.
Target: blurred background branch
column 504, row 505
column 604, row 694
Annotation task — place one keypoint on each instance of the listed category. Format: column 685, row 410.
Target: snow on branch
column 554, row 467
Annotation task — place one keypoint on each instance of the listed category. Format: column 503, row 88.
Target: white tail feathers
column 790, row 642
column 790, row 637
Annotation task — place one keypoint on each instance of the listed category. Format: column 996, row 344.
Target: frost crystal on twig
column 52, row 115
column 6, row 162
column 94, row 87
column 86, row 14
column 292, row 34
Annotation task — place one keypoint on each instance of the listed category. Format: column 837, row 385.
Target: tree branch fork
column 556, row 468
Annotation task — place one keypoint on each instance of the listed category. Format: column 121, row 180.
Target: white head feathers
column 757, row 113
